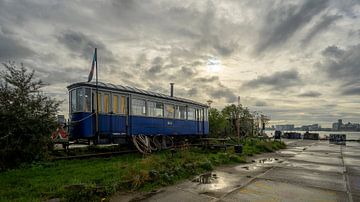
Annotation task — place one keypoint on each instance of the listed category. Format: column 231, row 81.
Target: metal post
column 172, row 89
column 97, row 99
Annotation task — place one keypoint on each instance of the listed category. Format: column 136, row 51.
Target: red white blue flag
column 93, row 66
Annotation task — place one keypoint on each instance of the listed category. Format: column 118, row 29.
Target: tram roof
column 135, row 90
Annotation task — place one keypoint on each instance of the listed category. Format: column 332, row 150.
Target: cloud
column 310, row 94
column 156, row 66
column 319, row 27
column 13, row 47
column 224, row 93
column 333, row 51
column 260, row 103
column 84, row 46
column 355, row 90
column 288, row 20
column 276, row 81
column 343, row 66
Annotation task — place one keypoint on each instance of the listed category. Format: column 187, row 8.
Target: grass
column 98, row 178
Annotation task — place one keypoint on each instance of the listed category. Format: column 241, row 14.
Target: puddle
column 212, row 181
column 259, row 163
column 268, row 160
column 206, row 178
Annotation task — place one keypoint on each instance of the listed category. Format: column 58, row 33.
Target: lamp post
column 209, row 103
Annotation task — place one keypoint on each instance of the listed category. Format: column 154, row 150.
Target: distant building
column 339, row 126
column 335, row 126
column 311, row 127
column 285, row 127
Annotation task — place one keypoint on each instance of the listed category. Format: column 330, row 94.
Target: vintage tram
column 124, row 111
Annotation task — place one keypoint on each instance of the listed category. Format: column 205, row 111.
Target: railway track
column 100, row 154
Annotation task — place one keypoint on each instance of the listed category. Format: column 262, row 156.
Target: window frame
column 155, row 108
column 132, row 104
column 173, row 113
column 194, row 113
column 74, row 93
column 178, row 111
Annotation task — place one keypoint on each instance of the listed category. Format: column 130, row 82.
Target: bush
column 27, row 117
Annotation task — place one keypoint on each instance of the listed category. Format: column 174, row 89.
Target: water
column 349, row 135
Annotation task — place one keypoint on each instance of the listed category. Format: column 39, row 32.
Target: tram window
column 116, row 104
column 79, row 99
column 159, row 109
column 123, row 105
column 103, row 100
column 151, row 108
column 106, row 104
column 138, row 107
column 155, row 109
column 206, row 114
column 87, row 107
column 177, row 114
column 201, row 115
column 191, row 113
column 180, row 112
column 169, row 111
column 73, row 101
column 99, row 102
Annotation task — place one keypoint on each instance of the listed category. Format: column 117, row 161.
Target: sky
column 297, row 62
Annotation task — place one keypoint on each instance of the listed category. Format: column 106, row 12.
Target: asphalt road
column 305, row 171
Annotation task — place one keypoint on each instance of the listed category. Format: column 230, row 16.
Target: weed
column 99, row 178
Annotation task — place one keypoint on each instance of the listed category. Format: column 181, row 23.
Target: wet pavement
column 306, row 171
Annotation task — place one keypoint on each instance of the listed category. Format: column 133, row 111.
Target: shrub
column 27, row 117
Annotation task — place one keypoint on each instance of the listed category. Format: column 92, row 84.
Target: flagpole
column 97, row 99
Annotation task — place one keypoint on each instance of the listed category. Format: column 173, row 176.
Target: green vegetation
column 92, row 179
column 27, row 117
column 234, row 121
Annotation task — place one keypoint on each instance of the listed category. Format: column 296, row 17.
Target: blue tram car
column 128, row 111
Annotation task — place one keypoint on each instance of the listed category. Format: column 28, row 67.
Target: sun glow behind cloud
column 214, row 65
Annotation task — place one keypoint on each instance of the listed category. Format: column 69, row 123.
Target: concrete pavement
column 305, row 171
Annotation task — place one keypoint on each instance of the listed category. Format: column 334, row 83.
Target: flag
column 92, row 66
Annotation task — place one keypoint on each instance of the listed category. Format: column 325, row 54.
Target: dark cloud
column 276, row 81
column 288, row 20
column 188, row 72
column 12, row 47
column 319, row 27
column 213, row 35
column 333, row 51
column 355, row 90
column 140, row 60
column 354, row 33
column 207, row 79
column 156, row 66
column 344, row 67
column 260, row 103
column 310, row 94
column 223, row 93
column 83, row 46
column 193, row 92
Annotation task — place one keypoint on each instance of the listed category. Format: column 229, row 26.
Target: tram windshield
column 80, row 100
